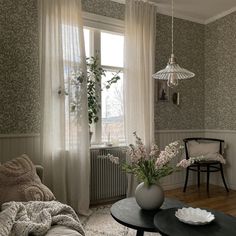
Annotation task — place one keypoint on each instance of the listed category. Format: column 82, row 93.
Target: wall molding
column 103, row 22
column 166, row 131
column 19, row 135
column 12, row 145
column 219, row 16
column 13, row 135
column 188, row 18
column 219, row 131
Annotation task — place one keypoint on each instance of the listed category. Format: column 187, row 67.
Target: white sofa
column 56, row 230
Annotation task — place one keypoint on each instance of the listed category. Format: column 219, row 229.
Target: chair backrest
column 206, row 140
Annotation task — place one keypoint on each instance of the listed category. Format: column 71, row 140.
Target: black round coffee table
column 168, row 225
column 128, row 213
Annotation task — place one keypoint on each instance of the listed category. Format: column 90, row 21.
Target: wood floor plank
column 217, row 199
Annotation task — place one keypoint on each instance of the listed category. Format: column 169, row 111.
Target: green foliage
column 147, row 172
column 94, row 76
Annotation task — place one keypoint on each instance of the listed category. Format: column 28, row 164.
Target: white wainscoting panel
column 164, row 137
column 13, row 145
column 230, row 154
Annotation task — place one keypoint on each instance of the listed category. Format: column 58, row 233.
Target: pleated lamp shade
column 173, row 72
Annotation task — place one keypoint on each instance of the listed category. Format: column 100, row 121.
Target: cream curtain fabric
column 140, row 32
column 64, row 133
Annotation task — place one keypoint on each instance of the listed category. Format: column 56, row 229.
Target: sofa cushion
column 20, row 182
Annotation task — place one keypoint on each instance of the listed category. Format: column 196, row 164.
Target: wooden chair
column 204, row 166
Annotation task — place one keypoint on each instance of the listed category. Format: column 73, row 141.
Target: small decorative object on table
column 194, row 216
column 149, row 168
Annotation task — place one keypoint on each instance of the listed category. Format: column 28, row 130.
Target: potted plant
column 149, row 168
column 94, row 87
column 94, row 75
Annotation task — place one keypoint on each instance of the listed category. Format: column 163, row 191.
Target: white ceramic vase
column 149, row 197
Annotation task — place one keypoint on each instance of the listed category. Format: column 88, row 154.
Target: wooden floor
column 217, row 199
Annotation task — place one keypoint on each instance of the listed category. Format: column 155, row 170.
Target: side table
column 128, row 213
column 168, row 225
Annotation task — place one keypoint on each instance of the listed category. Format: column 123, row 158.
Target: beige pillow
column 20, row 182
column 196, row 149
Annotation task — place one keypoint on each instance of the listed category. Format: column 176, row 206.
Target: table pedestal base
column 140, row 233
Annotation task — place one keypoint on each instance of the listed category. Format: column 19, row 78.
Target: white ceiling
column 201, row 11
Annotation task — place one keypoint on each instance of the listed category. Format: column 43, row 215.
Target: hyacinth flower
column 149, row 167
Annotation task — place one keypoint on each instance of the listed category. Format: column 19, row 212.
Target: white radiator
column 108, row 181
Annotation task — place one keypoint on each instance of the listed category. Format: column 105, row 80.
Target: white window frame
column 105, row 24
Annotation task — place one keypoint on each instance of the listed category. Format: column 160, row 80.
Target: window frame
column 98, row 24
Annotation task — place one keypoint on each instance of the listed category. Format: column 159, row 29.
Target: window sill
column 103, row 146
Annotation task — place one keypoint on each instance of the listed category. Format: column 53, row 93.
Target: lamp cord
column 172, row 26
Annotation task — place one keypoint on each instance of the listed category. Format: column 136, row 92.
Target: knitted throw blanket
column 36, row 218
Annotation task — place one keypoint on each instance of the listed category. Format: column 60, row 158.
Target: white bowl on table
column 194, row 216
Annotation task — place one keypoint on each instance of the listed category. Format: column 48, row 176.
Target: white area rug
column 101, row 223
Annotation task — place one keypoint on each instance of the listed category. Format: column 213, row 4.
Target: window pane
column 87, row 42
column 112, row 110
column 112, row 49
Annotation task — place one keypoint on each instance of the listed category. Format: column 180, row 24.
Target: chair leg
column 223, row 178
column 208, row 177
column 186, row 180
column 198, row 176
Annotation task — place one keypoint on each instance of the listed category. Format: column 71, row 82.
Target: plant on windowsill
column 94, row 87
column 149, row 168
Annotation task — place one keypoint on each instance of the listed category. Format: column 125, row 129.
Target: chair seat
column 206, row 163
column 205, row 166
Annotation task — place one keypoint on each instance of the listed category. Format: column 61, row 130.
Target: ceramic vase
column 149, row 197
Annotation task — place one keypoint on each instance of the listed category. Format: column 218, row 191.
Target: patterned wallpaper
column 220, row 74
column 189, row 45
column 189, row 50
column 19, row 72
column 19, row 77
column 105, row 8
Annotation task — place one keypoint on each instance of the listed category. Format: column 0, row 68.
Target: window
column 109, row 47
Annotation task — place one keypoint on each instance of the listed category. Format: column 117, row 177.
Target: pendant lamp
column 173, row 72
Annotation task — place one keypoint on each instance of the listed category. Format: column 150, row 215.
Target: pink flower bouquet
column 151, row 166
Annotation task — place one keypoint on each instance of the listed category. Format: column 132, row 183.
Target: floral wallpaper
column 220, row 74
column 105, row 8
column 189, row 48
column 19, row 71
column 19, row 61
column 205, row 101
column 189, row 51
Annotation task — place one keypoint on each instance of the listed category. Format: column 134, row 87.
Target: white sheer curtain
column 140, row 32
column 64, row 133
